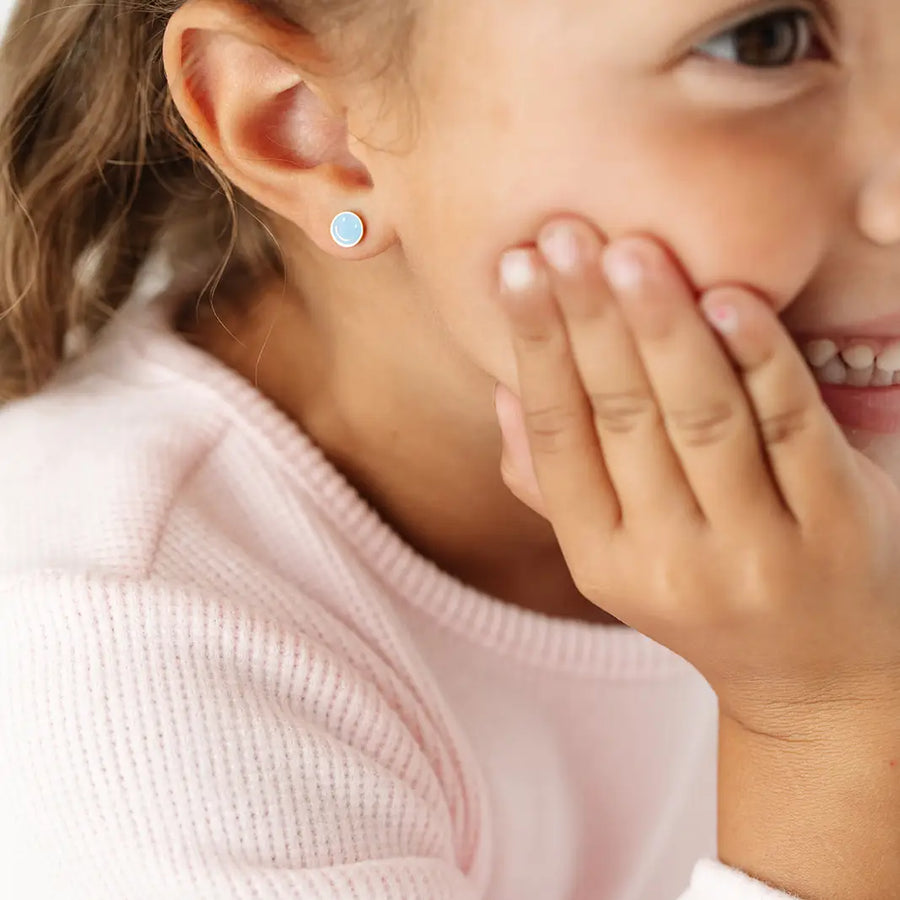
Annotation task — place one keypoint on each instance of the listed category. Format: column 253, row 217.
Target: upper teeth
column 858, row 364
column 820, row 352
column 889, row 358
column 859, row 357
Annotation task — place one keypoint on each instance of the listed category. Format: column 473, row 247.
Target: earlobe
column 275, row 132
column 347, row 230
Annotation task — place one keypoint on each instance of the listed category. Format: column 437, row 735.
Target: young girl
column 279, row 618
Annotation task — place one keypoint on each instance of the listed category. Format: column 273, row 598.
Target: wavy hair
column 97, row 170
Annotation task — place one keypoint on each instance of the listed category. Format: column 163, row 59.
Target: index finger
column 568, row 461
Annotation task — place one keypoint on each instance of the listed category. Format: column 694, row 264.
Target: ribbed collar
column 567, row 647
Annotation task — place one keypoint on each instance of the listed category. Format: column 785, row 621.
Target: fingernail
column 624, row 268
column 559, row 244
column 722, row 316
column 517, row 270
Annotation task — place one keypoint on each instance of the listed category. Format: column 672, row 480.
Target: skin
column 689, row 152
column 785, row 184
column 684, row 484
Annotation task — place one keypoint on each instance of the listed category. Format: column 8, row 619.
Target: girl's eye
column 775, row 40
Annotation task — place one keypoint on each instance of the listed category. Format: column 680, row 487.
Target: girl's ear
column 246, row 88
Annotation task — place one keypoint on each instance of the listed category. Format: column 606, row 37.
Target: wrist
column 817, row 815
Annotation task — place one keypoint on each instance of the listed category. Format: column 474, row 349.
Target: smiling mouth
column 854, row 362
column 859, row 380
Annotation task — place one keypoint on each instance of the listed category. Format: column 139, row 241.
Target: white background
column 5, row 9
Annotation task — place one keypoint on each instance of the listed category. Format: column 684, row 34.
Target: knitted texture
column 223, row 676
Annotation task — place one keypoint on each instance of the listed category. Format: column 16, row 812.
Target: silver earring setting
column 347, row 229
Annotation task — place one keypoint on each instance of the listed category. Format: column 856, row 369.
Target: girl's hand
column 700, row 490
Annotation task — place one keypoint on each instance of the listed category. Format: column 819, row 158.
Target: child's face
column 783, row 178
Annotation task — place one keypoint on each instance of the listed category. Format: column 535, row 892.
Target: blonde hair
column 97, row 168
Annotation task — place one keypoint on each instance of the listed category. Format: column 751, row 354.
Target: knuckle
column 782, row 428
column 537, row 337
column 551, row 427
column 673, row 579
column 756, row 573
column 623, row 412
column 541, row 336
column 674, row 591
column 702, row 427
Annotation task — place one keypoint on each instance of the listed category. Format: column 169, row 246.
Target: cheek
column 732, row 209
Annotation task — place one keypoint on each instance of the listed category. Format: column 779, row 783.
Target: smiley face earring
column 347, row 229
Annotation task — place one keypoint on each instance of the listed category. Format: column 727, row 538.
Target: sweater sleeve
column 713, row 880
column 160, row 745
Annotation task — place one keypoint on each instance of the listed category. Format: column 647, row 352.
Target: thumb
column 516, row 466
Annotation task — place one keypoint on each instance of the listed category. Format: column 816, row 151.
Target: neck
column 408, row 420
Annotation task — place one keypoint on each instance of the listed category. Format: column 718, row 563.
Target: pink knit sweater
column 223, row 676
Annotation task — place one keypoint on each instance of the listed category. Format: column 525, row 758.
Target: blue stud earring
column 347, row 229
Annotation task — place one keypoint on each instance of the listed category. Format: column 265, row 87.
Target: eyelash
column 812, row 42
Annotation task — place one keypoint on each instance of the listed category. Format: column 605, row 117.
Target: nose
column 878, row 212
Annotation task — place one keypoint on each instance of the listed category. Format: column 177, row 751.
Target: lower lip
column 867, row 409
